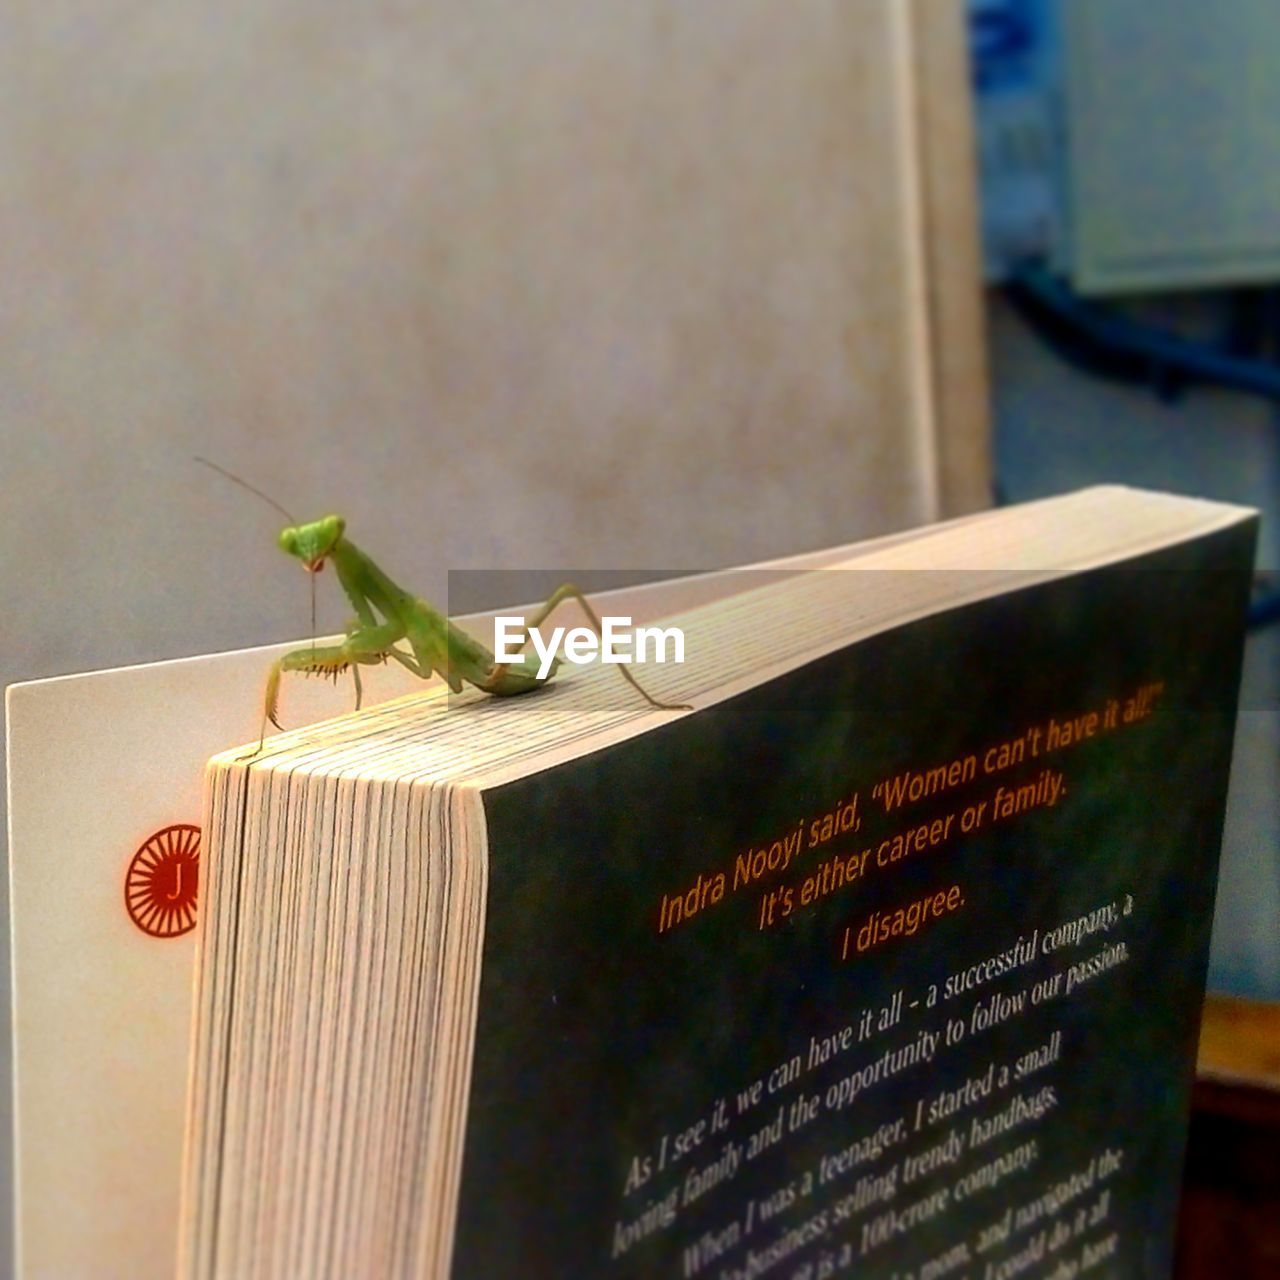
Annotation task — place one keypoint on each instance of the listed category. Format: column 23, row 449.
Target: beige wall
column 648, row 284
column 633, row 284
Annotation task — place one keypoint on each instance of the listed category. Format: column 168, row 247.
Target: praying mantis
column 436, row 646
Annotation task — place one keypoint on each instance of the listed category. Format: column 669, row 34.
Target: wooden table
column 1229, row 1225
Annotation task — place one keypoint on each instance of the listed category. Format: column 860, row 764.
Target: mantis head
column 312, row 543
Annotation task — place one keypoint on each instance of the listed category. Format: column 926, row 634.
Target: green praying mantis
column 387, row 615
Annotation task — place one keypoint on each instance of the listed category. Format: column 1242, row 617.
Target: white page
column 97, row 764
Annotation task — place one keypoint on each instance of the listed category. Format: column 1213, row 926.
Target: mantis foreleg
column 366, row 645
column 410, row 664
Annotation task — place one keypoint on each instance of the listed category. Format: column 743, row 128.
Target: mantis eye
column 289, row 541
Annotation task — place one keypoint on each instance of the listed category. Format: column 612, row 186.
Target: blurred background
column 637, row 286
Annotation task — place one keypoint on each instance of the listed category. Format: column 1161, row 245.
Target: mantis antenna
column 244, row 484
column 270, row 501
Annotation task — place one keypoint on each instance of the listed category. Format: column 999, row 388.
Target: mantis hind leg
column 503, row 679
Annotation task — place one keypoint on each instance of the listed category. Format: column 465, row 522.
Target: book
column 105, row 777
column 883, row 959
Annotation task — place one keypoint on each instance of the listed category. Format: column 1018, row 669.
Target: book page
column 105, row 775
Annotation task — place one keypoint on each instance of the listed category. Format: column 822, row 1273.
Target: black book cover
column 891, row 967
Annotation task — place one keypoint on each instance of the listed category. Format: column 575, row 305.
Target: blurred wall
column 642, row 283
column 649, row 285
column 1057, row 428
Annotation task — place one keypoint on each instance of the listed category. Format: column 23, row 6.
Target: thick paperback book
column 885, row 959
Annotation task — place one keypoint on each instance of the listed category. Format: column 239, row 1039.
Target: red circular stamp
column 160, row 885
